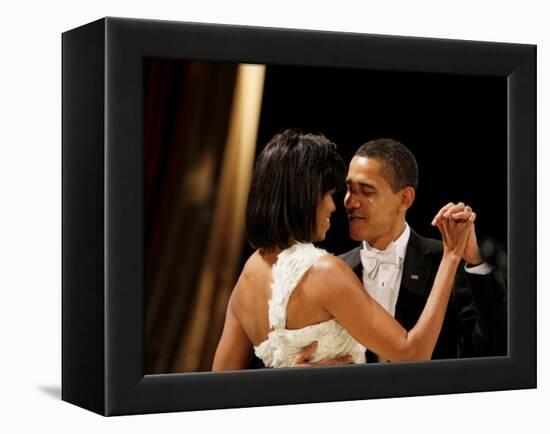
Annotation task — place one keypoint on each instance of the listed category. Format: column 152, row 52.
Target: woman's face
column 325, row 208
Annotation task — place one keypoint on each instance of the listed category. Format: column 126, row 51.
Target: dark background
column 455, row 125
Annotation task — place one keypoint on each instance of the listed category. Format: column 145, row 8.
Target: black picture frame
column 102, row 294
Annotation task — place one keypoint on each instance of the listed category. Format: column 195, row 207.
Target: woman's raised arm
column 342, row 294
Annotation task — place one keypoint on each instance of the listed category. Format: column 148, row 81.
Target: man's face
column 375, row 212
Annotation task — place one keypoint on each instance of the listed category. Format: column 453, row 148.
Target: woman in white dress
column 291, row 293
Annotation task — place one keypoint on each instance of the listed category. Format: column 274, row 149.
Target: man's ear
column 407, row 197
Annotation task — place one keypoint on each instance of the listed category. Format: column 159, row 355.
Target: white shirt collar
column 400, row 244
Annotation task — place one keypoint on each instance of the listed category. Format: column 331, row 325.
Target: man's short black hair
column 291, row 174
column 399, row 166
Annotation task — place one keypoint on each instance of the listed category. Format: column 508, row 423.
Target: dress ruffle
column 283, row 345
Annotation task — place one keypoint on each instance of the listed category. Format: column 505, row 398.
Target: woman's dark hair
column 291, row 174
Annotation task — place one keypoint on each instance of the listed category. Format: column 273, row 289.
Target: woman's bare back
column 253, row 291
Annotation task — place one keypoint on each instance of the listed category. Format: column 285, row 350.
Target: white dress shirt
column 384, row 287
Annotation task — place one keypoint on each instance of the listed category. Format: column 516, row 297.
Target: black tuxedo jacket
column 475, row 321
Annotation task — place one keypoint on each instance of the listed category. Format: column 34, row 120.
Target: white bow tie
column 372, row 260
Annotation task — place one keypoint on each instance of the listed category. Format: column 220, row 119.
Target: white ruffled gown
column 283, row 345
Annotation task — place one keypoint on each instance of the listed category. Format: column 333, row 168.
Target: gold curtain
column 201, row 122
column 223, row 252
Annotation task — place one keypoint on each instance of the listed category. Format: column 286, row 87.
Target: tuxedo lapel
column 415, row 282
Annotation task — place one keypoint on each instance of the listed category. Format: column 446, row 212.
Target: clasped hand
column 452, row 220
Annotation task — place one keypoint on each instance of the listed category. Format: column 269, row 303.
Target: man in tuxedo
column 397, row 266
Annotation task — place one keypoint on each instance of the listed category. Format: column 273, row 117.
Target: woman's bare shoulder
column 255, row 267
column 329, row 264
column 254, row 274
column 331, row 275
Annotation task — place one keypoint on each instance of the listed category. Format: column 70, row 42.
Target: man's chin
column 358, row 230
column 356, row 236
